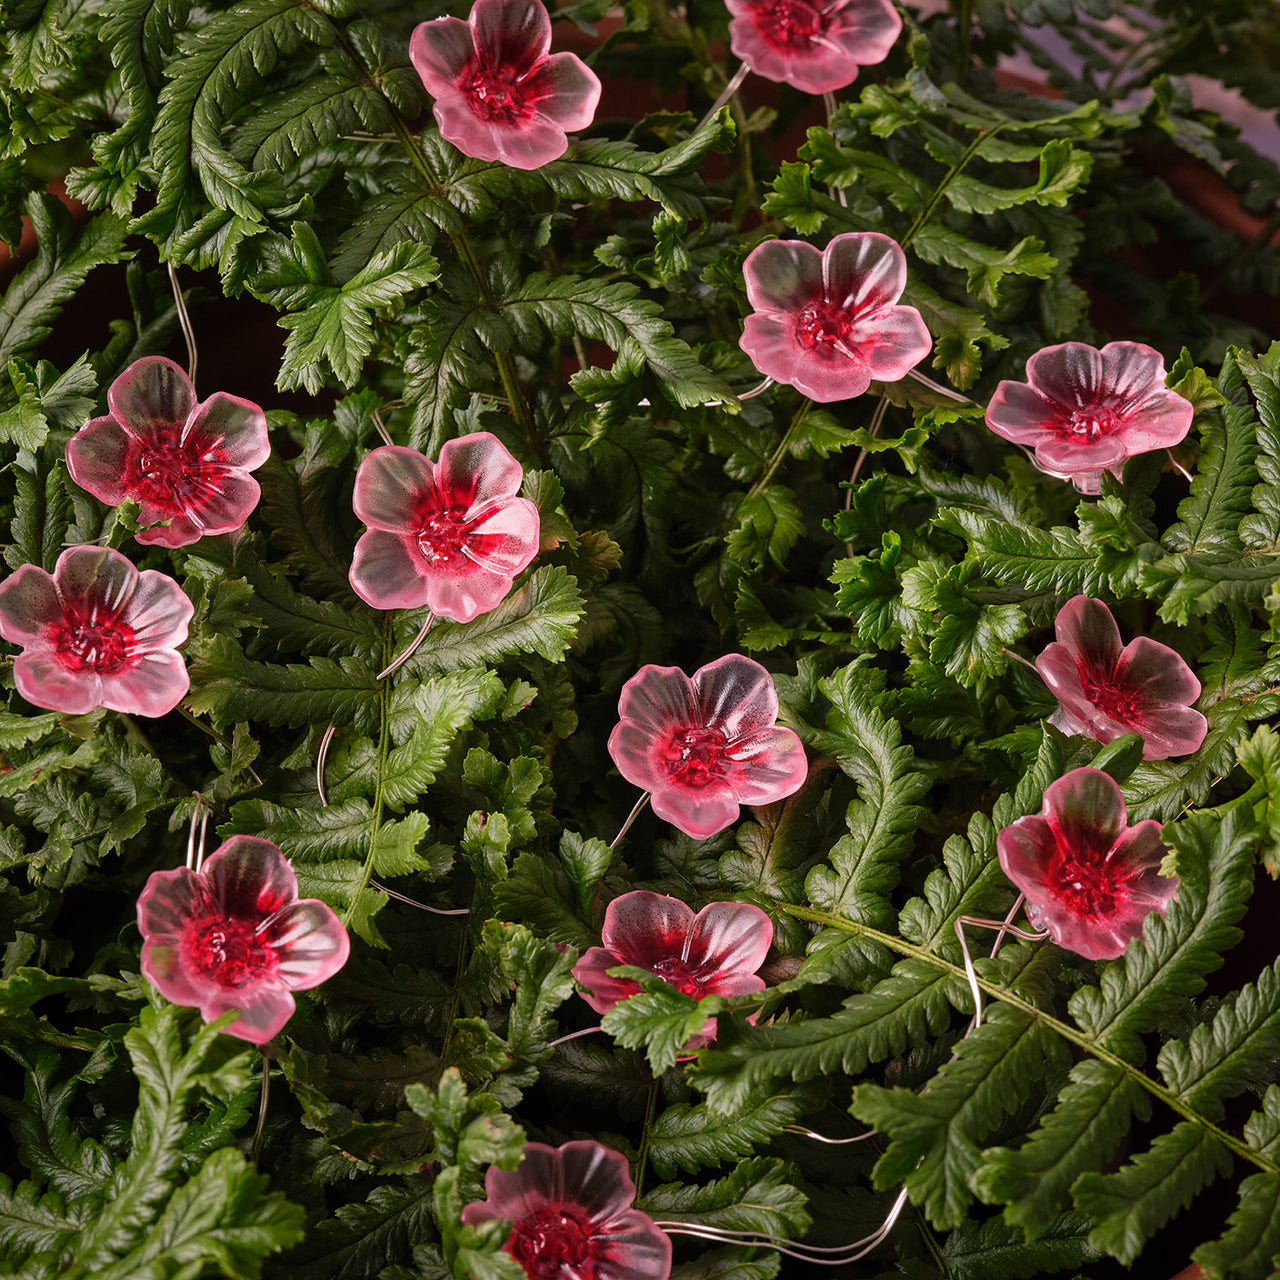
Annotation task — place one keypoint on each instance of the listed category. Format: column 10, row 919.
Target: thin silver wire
column 188, row 332
column 970, row 972
column 636, row 811
column 322, row 754
column 573, row 1035
column 414, row 646
column 821, row 1137
column 729, row 90
column 422, row 906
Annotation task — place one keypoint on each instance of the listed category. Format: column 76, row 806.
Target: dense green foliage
column 281, row 154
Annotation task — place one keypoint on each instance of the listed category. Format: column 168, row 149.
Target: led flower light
column 571, row 1216
column 1089, row 878
column 825, row 321
column 1084, row 410
column 1106, row 691
column 235, row 935
column 814, row 45
column 499, row 94
column 96, row 633
column 184, row 462
column 451, row 535
column 705, row 746
column 715, row 952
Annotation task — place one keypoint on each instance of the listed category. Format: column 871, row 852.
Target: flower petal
column 636, row 753
column 311, row 943
column 642, row 927
column 1131, row 371
column 502, row 538
column 1021, row 414
column 1159, row 422
column 96, row 458
column 1158, row 671
column 863, row 271
column 783, row 275
column 660, row 701
column 632, row 1246
column 865, row 30
column 728, row 939
column 392, row 484
column 250, row 878
column 572, row 92
column 768, row 765
column 1071, row 374
column 513, row 34
column 700, row 812
column 475, row 470
column 29, row 605
column 1088, row 629
column 1086, row 811
column 232, row 431
column 388, row 572
column 441, row 51
column 1172, row 730
column 264, row 1009
column 735, row 694
column 461, row 595
column 220, row 502
column 151, row 392
column 152, row 687
column 602, row 992
column 45, row 682
column 1067, row 455
column 596, row 1181
column 96, row 581
column 893, row 342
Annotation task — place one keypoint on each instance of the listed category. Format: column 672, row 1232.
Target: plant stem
column 642, row 1159
column 964, row 29
column 380, row 767
column 520, row 410
column 1069, row 1033
column 952, row 174
column 779, row 453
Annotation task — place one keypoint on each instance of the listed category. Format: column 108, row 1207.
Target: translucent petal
column 159, row 613
column 95, row 581
column 893, row 341
column 573, row 92
column 634, row 1249
column 770, row 341
column 45, row 682
column 1067, row 454
column 392, row 484
column 728, row 938
column 221, row 502
column 510, row 33
column 388, row 572
column 1070, row 374
column 1088, row 630
column 153, row 686
column 474, row 470
column 783, row 275
column 1021, row 414
column 1132, row 371
column 441, row 51
column 96, row 457
column 151, row 392
column 249, row 877
column 768, row 765
column 311, row 942
column 636, row 755
column 699, row 812
column 735, row 695
column 642, row 927
column 503, row 537
column 264, row 1010
column 863, row 271
column 1086, row 810
column 596, row 1181
column 660, row 701
column 1159, row 422
column 865, row 29
column 601, row 991
column 231, row 431
column 29, row 605
column 828, row 378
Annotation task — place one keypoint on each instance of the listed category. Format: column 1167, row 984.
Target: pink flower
column 702, row 747
column 1106, row 691
column 824, row 322
column 1090, row 879
column 571, row 1216
column 1085, row 411
column 814, row 45
column 235, row 935
column 184, row 462
column 450, row 535
column 96, row 633
column 499, row 96
column 715, row 952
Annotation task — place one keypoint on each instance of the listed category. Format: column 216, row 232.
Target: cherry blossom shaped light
column 814, row 45
column 826, row 321
column 571, row 1215
column 235, row 936
column 499, row 94
column 451, row 535
column 1089, row 878
column 704, row 747
column 96, row 633
column 1106, row 691
column 715, row 952
column 1085, row 410
column 181, row 461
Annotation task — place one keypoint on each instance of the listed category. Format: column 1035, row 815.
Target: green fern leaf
column 994, row 1251
column 759, row 1195
column 882, row 820
column 936, row 1137
column 1250, row 1247
column 64, row 257
column 1260, row 530
column 404, row 208
column 1130, row 1205
column 984, row 266
column 1079, row 1134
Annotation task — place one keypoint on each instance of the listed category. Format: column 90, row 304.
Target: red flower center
column 441, row 539
column 1091, row 423
column 227, row 949
column 696, row 757
column 498, row 93
column 1111, row 699
column 545, row 1242
column 822, row 325
column 679, row 975
column 167, row 475
column 1087, row 887
column 793, row 25
column 87, row 646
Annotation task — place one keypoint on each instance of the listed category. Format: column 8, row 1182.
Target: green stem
column 964, row 25
column 506, row 365
column 380, row 767
column 779, row 453
column 952, row 174
column 642, row 1159
column 1069, row 1033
